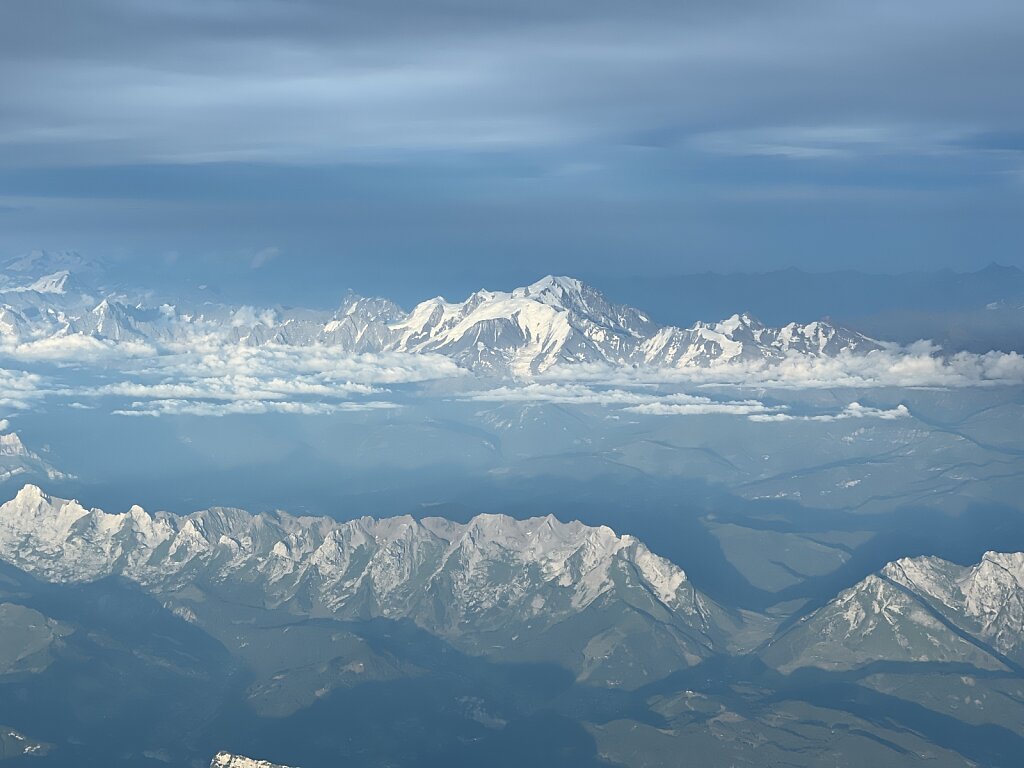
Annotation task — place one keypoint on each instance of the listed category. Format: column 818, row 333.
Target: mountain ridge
column 913, row 610
column 555, row 322
column 494, row 585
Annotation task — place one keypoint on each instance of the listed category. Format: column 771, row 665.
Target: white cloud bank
column 649, row 403
column 853, row 411
column 245, row 407
column 20, row 389
column 208, row 378
column 211, row 376
column 76, row 349
column 917, row 365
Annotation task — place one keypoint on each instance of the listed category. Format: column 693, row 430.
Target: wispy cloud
column 810, row 142
column 19, row 390
column 917, row 365
column 75, row 349
column 209, row 375
column 645, row 402
column 264, row 256
column 853, row 411
column 179, row 407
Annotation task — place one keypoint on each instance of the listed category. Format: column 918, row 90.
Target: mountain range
column 16, row 460
column 556, row 321
column 503, row 587
column 326, row 628
column 922, row 609
column 496, row 586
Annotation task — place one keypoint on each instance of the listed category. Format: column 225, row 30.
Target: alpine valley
column 534, row 527
column 499, row 640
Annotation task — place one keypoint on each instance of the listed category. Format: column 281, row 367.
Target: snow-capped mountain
column 917, row 609
column 557, row 320
column 14, row 745
column 28, row 267
column 16, row 460
column 227, row 760
column 742, row 338
column 495, row 585
column 986, row 600
column 554, row 322
column 57, row 282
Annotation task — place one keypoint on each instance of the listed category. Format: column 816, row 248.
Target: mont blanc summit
column 554, row 323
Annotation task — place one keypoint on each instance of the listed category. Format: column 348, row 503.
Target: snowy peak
column 475, row 584
column 36, row 521
column 16, row 459
column 227, row 760
column 57, row 275
column 557, row 321
column 560, row 288
column 917, row 609
column 986, row 599
column 742, row 338
column 587, row 303
column 40, row 262
column 11, row 445
column 53, row 283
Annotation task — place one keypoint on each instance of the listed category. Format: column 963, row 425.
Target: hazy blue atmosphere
column 446, row 384
column 469, row 144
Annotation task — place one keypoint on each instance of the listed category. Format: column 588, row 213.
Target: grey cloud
column 264, row 256
column 126, row 81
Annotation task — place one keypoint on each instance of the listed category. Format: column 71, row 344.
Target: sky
column 421, row 146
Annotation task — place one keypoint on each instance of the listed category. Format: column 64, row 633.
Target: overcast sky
column 447, row 144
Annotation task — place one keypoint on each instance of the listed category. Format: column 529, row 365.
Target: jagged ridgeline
column 599, row 604
column 247, row 633
column 226, row 760
column 554, row 321
column 923, row 609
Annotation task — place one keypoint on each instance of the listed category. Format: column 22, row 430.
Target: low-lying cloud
column 921, row 364
column 210, row 376
column 181, row 407
column 853, row 411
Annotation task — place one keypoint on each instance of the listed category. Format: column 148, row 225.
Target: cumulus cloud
column 745, row 408
column 577, row 394
column 213, row 377
column 644, row 402
column 20, row 389
column 212, row 357
column 853, row 411
column 208, row 368
column 917, row 365
column 75, row 349
column 672, row 403
column 264, row 256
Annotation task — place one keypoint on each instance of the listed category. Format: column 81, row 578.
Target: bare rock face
column 922, row 609
column 494, row 586
column 17, row 460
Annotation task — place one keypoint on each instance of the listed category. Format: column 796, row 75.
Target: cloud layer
column 209, row 376
column 918, row 365
column 504, row 140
